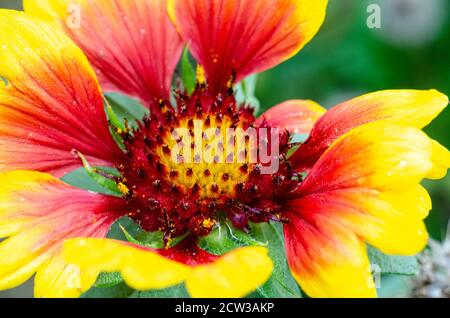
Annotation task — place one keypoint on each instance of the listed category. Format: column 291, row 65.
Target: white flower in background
column 433, row 280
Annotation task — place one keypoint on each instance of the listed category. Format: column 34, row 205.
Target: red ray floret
column 132, row 45
column 52, row 102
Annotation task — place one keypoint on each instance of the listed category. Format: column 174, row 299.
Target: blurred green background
column 347, row 59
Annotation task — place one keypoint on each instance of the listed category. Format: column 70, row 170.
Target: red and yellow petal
column 52, row 103
column 407, row 107
column 48, row 10
column 391, row 221
column 245, row 35
column 326, row 259
column 234, row 274
column 295, row 116
column 381, row 155
column 132, row 44
column 441, row 161
column 364, row 188
column 39, row 212
column 140, row 268
column 56, row 278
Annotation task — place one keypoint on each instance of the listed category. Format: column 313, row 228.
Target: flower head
column 197, row 157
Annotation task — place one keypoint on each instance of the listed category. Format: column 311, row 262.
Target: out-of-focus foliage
column 434, row 277
column 347, row 59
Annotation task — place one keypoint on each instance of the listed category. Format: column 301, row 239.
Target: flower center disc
column 186, row 165
column 209, row 152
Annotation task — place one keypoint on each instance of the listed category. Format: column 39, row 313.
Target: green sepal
column 245, row 93
column 107, row 280
column 103, row 181
column 120, row 290
column 187, row 72
column 113, row 119
column 178, row 291
column 80, row 178
column 126, row 108
column 225, row 238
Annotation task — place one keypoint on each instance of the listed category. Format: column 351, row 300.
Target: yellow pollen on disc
column 123, row 188
column 208, row 223
column 201, row 78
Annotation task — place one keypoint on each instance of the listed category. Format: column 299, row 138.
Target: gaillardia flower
column 355, row 180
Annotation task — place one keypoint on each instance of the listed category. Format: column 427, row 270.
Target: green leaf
column 218, row 241
column 400, row 265
column 243, row 238
column 296, row 139
column 299, row 138
column 103, row 181
column 81, row 179
column 281, row 284
column 187, row 72
column 106, row 280
column 125, row 107
column 248, row 85
column 151, row 239
column 224, row 238
column 178, row 291
column 124, row 223
column 113, row 119
column 128, row 236
column 394, row 286
column 245, row 92
column 123, row 111
column 118, row 291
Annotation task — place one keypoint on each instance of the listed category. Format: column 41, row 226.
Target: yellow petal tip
column 233, row 275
